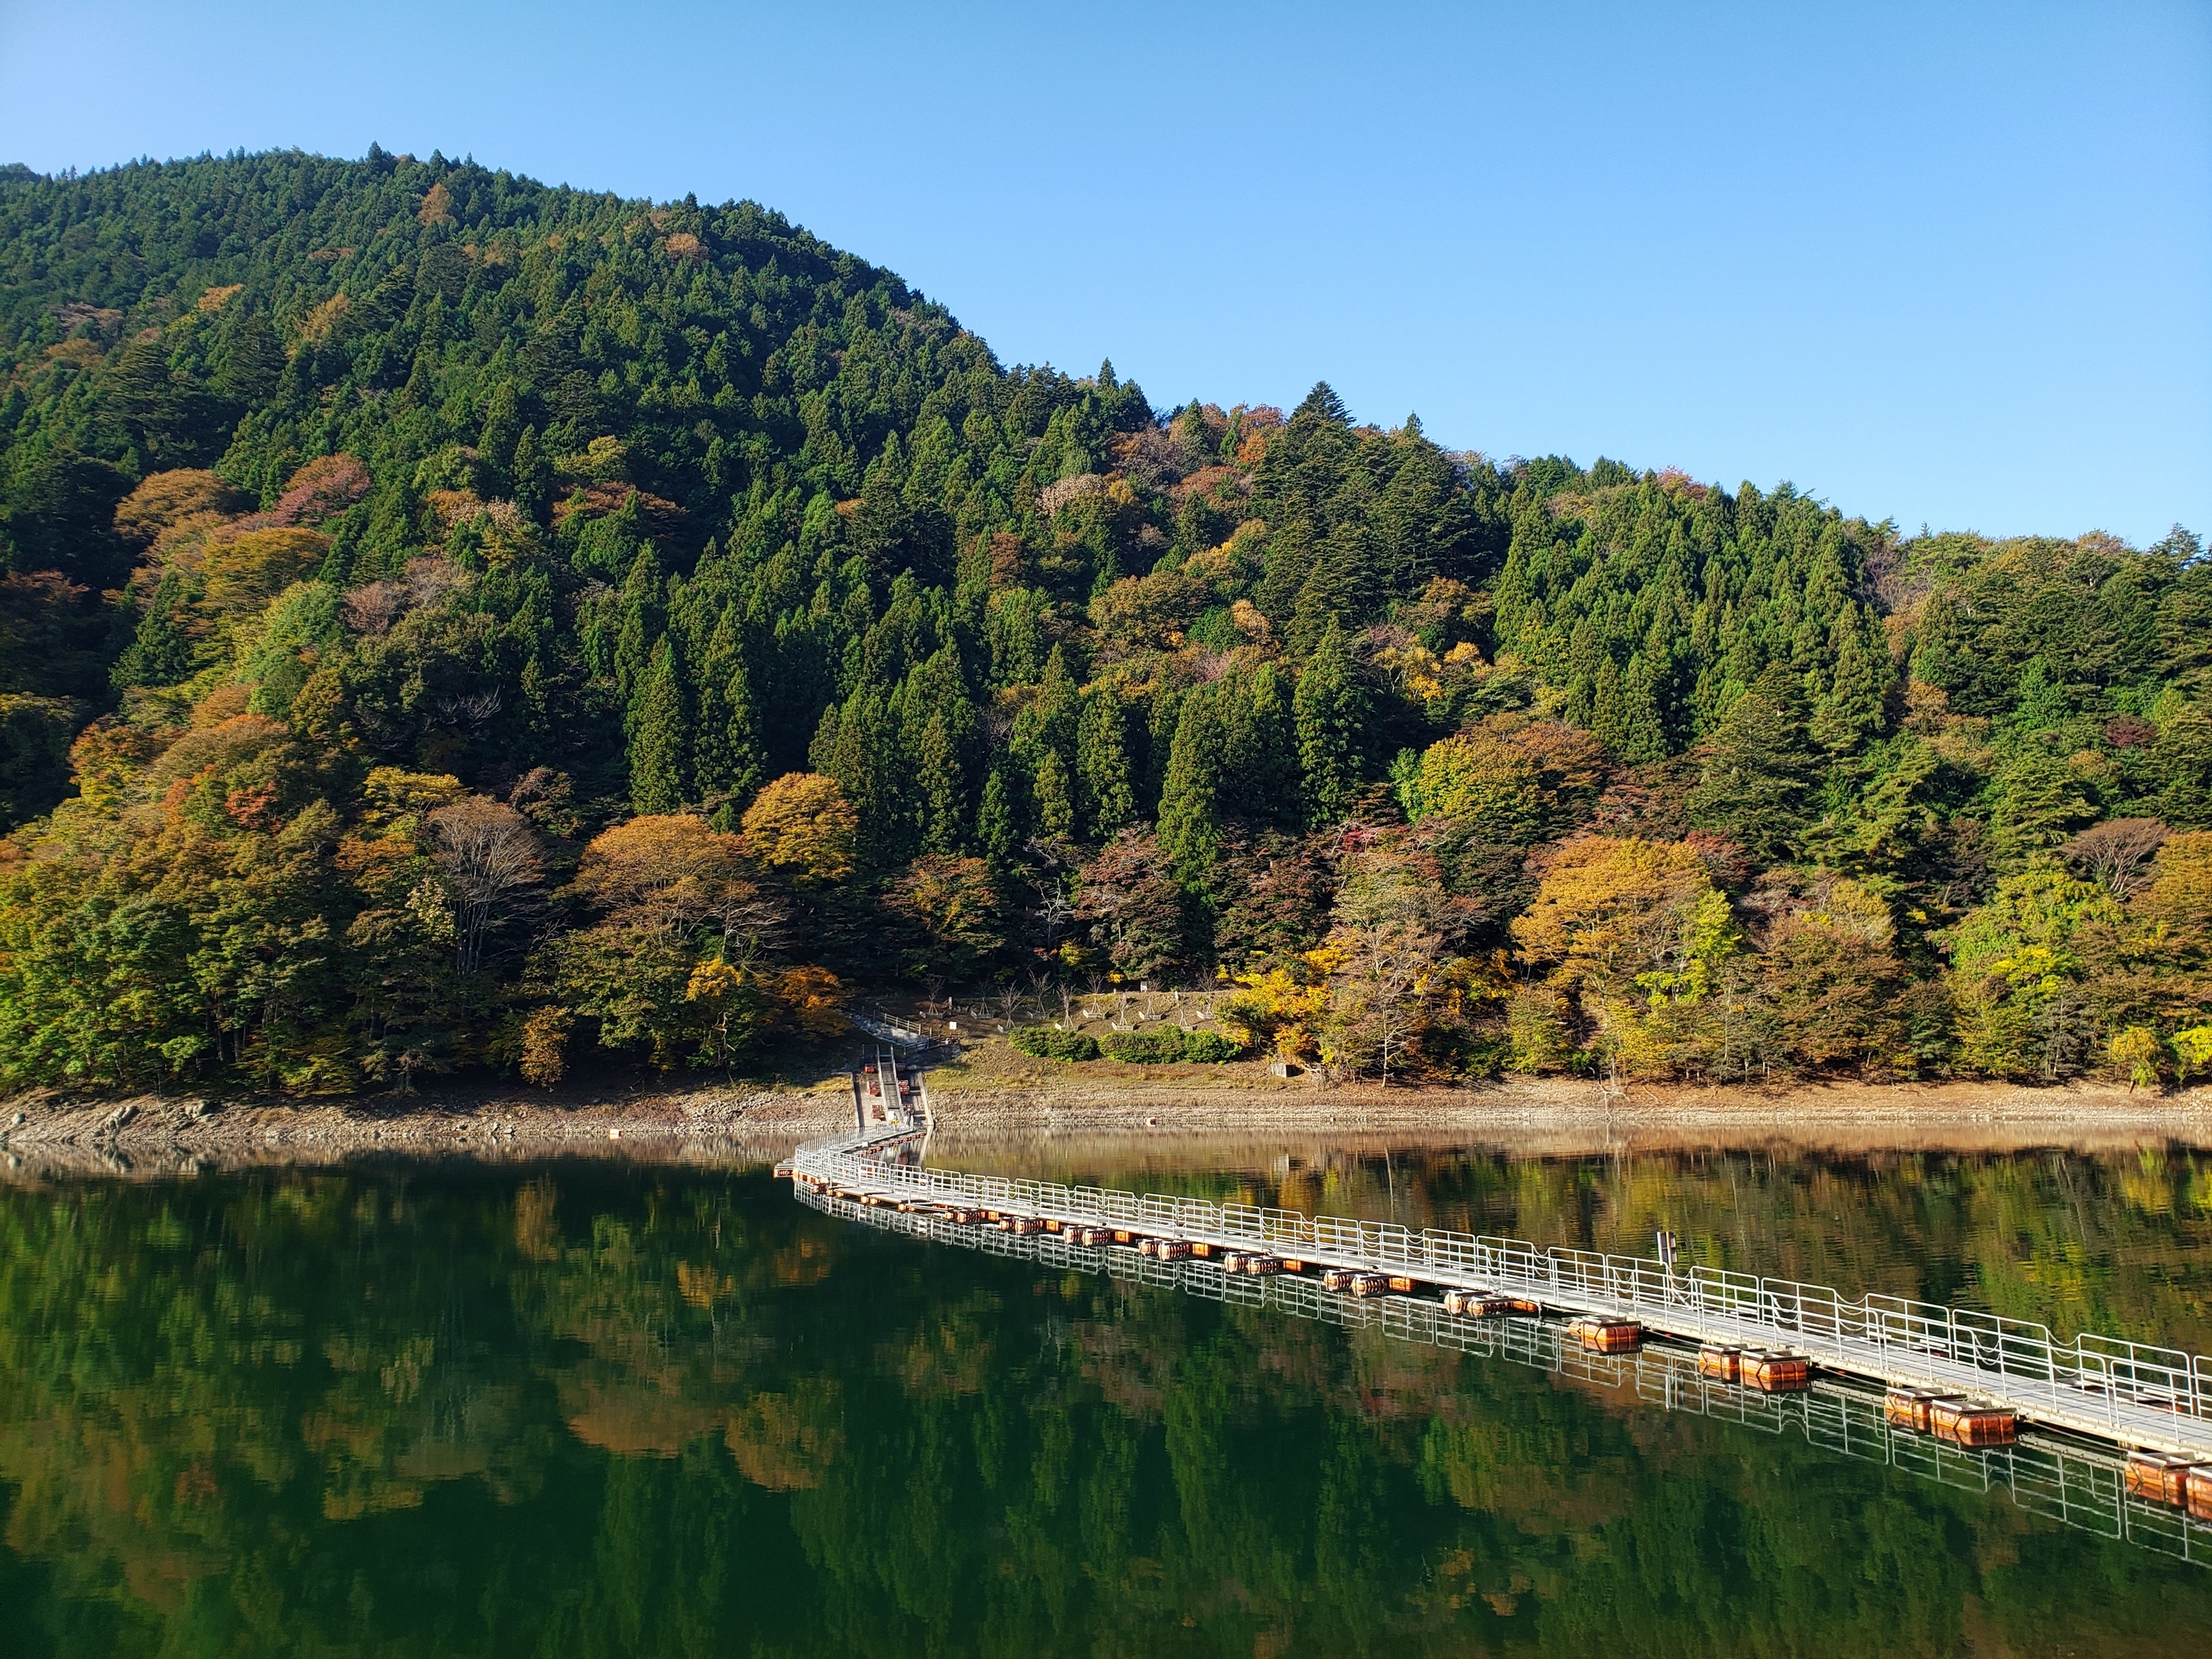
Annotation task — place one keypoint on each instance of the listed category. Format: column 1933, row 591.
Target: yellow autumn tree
column 676, row 962
column 802, row 826
column 1636, row 931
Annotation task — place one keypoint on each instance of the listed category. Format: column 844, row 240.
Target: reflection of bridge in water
column 2080, row 1486
column 2119, row 1395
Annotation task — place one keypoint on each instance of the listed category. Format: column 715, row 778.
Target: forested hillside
column 453, row 622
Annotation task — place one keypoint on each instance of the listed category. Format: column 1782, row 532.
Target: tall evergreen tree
column 997, row 821
column 660, row 737
column 1851, row 714
column 1190, row 819
column 1759, row 770
column 640, row 621
column 728, row 752
column 1330, row 709
column 1056, row 796
column 861, row 751
column 1261, row 777
column 158, row 653
column 1109, row 794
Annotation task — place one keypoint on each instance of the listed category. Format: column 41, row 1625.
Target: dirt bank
column 990, row 1101
column 46, row 1133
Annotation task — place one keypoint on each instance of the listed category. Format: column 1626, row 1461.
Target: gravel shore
column 991, row 1100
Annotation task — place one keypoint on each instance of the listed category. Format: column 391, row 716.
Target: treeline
column 450, row 622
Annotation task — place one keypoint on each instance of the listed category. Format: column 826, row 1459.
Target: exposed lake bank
column 991, row 1097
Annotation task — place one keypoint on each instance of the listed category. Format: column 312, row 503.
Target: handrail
column 2078, row 1486
column 2140, row 1392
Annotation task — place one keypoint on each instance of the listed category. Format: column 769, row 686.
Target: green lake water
column 593, row 1409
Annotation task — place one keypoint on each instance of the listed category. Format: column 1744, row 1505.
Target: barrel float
column 1777, row 1372
column 1370, row 1284
column 1171, row 1249
column 1603, row 1335
column 2158, row 1477
column 1908, row 1408
column 1262, row 1266
column 1477, row 1304
column 2199, row 1491
column 1232, row 1261
column 1972, row 1423
column 1337, row 1279
column 1720, row 1362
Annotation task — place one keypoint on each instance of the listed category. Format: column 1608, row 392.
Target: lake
column 592, row 1408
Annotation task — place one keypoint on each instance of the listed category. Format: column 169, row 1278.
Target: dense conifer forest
column 451, row 622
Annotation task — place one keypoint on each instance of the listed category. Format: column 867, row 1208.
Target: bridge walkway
column 2130, row 1394
column 2081, row 1485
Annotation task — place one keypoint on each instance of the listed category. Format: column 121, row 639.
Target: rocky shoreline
column 990, row 1103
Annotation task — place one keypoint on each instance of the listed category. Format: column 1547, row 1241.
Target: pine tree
column 1642, row 733
column 937, row 765
column 249, row 362
column 941, row 736
column 865, row 758
column 1852, row 712
column 532, row 476
column 1260, row 765
column 1109, row 797
column 998, row 823
column 158, row 653
column 1190, row 829
column 1056, row 796
column 660, row 740
column 502, row 426
column 1342, row 587
column 1330, row 709
column 641, row 621
column 1044, row 740
column 729, row 761
column 1759, row 770
column 1606, row 712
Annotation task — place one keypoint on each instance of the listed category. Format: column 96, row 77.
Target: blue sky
column 1948, row 265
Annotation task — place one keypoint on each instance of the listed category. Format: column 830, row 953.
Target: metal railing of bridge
column 2076, row 1485
column 2137, row 1393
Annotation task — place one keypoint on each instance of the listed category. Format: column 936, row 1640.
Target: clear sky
column 1947, row 264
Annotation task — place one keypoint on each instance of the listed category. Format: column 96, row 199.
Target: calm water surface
column 597, row 1410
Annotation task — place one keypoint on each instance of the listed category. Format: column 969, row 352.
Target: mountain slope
column 465, row 622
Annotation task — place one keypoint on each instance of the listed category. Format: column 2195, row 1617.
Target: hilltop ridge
column 452, row 623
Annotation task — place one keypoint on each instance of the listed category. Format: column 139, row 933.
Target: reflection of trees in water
column 2116, row 1242
column 597, row 1413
